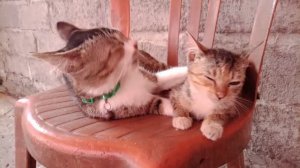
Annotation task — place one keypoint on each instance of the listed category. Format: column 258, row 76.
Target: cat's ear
column 195, row 48
column 193, row 43
column 65, row 61
column 65, row 30
column 247, row 52
column 192, row 56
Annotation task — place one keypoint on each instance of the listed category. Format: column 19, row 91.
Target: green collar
column 105, row 96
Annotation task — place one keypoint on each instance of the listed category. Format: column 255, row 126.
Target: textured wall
column 29, row 26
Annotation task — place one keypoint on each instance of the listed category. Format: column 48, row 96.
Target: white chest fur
column 134, row 91
column 201, row 104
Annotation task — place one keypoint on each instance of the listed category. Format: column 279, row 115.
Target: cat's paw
column 212, row 130
column 182, row 123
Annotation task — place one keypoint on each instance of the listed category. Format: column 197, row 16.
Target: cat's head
column 218, row 71
column 92, row 57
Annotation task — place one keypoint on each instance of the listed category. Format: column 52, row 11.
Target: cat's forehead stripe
column 81, row 36
column 221, row 57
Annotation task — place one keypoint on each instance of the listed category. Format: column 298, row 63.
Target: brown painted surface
column 69, row 139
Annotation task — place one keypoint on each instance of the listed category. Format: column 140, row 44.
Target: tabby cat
column 111, row 78
column 212, row 89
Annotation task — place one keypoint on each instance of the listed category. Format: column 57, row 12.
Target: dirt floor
column 7, row 132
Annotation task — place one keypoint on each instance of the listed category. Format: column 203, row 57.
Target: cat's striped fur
column 212, row 89
column 95, row 60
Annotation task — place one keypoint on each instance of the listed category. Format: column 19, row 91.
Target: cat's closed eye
column 234, row 83
column 209, row 78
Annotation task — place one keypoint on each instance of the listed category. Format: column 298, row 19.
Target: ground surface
column 7, row 132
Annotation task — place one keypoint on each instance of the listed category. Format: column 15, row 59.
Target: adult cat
column 111, row 78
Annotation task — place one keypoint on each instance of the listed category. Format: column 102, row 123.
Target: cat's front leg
column 179, row 121
column 212, row 126
column 182, row 123
column 181, row 118
column 165, row 107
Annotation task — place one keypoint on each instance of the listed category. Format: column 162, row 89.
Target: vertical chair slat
column 211, row 23
column 120, row 15
column 174, row 28
column 260, row 30
column 194, row 17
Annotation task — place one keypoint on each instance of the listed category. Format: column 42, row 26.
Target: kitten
column 211, row 91
column 111, row 78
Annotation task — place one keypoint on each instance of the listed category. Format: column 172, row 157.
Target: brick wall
column 29, row 26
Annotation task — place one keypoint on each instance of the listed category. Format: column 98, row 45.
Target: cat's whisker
column 243, row 99
column 236, row 110
column 236, row 104
column 241, row 105
column 244, row 102
column 240, row 110
column 246, row 105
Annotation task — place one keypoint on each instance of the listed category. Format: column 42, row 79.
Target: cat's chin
column 215, row 99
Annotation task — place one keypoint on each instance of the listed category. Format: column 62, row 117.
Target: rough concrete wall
column 29, row 26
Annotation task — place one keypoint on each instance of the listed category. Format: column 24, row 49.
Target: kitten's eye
column 234, row 83
column 209, row 78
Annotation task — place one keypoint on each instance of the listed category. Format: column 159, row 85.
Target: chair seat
column 52, row 121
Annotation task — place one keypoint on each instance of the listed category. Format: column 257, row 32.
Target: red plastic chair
column 51, row 129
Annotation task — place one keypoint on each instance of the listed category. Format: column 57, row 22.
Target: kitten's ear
column 192, row 56
column 65, row 30
column 193, row 43
column 64, row 61
column 247, row 53
column 195, row 48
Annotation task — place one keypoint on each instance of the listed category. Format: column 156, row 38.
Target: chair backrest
column 120, row 16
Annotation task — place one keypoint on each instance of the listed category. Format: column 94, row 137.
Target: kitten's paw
column 182, row 123
column 212, row 130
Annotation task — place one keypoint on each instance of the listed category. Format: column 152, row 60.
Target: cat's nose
column 220, row 95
